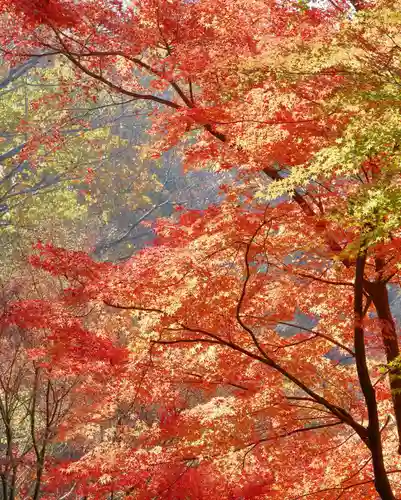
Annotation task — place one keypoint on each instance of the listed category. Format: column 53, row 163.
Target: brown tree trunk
column 382, row 484
column 379, row 295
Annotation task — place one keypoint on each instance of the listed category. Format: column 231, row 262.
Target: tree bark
column 381, row 481
column 379, row 295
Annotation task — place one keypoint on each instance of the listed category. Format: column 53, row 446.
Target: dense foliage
column 251, row 349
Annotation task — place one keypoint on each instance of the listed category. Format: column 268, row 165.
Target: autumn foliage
column 252, row 351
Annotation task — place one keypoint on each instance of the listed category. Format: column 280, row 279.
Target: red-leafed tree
column 264, row 350
column 47, row 382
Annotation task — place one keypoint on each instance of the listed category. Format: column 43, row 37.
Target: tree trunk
column 382, row 484
column 379, row 295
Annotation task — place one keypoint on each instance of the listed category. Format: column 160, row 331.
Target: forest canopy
column 200, row 219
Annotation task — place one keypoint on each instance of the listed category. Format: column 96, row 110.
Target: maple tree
column 44, row 383
column 51, row 188
column 255, row 87
column 67, row 175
